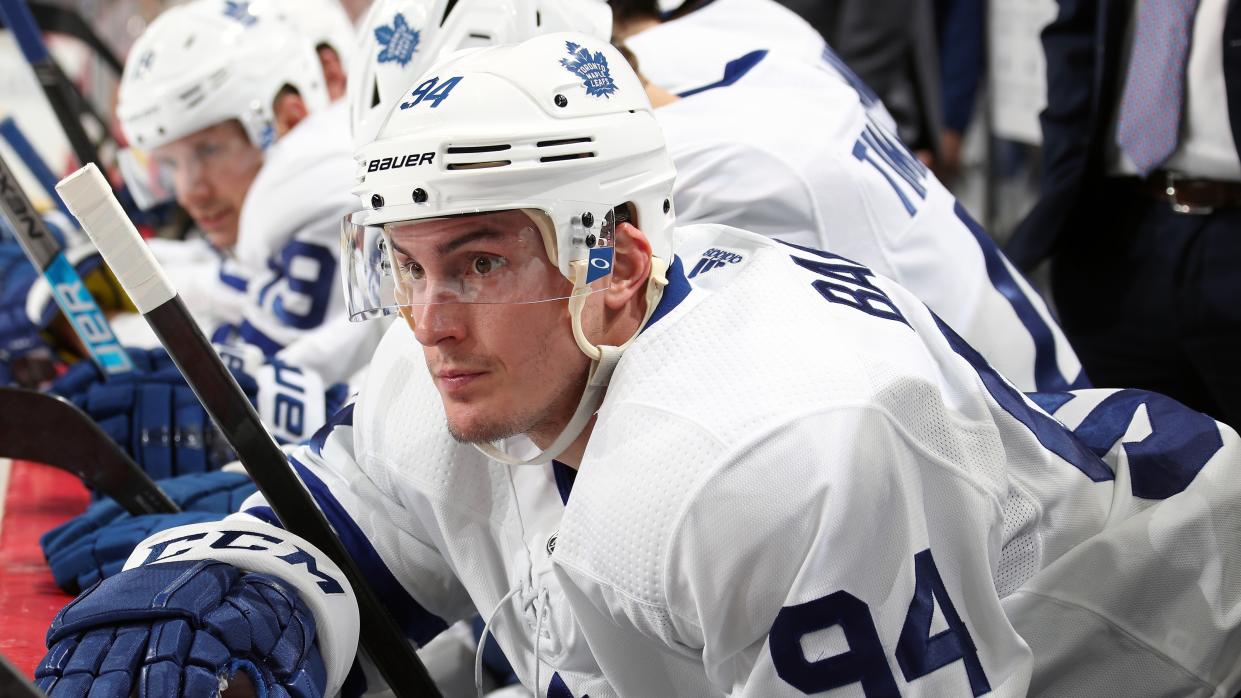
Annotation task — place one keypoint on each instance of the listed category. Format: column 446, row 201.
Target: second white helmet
column 399, row 40
column 209, row 61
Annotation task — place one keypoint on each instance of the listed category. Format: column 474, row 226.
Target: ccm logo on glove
column 245, row 540
column 392, row 163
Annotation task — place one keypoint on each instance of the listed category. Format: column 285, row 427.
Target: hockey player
column 821, row 170
column 231, row 104
column 779, row 478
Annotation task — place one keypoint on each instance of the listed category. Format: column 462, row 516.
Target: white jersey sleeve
column 290, row 232
column 212, row 286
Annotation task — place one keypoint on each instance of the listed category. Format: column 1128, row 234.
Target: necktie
column 1150, row 107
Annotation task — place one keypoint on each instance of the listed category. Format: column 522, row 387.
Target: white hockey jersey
column 701, row 49
column 784, row 152
column 800, row 480
column 289, row 239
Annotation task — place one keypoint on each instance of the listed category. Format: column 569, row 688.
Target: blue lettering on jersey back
column 1162, row 464
column 1047, row 376
column 865, row 94
column 849, row 285
column 893, row 161
column 1168, row 459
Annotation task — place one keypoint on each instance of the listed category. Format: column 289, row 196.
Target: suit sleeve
column 1071, row 50
column 839, row 552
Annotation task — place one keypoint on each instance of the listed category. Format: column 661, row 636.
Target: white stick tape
column 91, row 201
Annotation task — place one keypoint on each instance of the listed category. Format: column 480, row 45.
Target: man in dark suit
column 1141, row 201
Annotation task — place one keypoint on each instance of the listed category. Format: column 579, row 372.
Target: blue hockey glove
column 95, row 544
column 22, row 343
column 179, row 629
column 152, row 413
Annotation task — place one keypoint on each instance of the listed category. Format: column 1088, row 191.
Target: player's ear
column 631, row 267
column 289, row 109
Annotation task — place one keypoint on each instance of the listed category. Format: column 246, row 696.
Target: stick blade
column 48, row 429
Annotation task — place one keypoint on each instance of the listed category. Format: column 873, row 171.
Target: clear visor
column 148, row 183
column 501, row 256
column 214, row 155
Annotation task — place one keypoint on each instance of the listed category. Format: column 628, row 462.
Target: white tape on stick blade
column 90, row 199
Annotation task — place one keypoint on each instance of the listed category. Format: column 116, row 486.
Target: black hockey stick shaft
column 13, row 684
column 47, row 429
column 91, row 200
column 65, row 20
column 65, row 101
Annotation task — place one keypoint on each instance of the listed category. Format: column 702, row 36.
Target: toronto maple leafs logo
column 143, row 65
column 591, row 68
column 240, row 11
column 400, row 41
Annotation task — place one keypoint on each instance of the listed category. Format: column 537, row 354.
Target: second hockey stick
column 92, row 202
column 79, row 447
column 70, row 293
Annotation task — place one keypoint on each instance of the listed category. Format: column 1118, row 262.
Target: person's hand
column 152, row 413
column 95, row 544
column 183, row 629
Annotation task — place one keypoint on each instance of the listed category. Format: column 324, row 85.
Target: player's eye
column 484, row 264
column 412, row 270
column 208, row 149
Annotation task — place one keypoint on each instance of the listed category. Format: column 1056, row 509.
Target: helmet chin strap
column 603, row 360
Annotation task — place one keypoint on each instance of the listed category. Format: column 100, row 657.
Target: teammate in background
column 778, row 478
column 229, row 100
column 720, row 31
column 327, row 26
column 821, row 171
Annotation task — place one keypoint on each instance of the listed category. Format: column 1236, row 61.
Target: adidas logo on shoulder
column 714, row 258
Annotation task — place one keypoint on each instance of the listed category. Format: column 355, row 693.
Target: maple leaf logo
column 240, row 11
column 400, row 41
column 591, row 68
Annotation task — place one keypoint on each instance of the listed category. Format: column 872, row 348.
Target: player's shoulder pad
column 256, row 546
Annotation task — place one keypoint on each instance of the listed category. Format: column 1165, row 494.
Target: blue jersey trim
column 1047, row 376
column 677, row 289
column 1050, row 433
column 253, row 335
column 234, row 282
column 734, row 70
column 266, row 514
column 417, row 622
column 565, row 476
column 341, row 418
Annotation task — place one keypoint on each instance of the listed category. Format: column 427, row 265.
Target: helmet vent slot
column 478, row 165
column 463, row 149
column 569, row 156
column 564, row 141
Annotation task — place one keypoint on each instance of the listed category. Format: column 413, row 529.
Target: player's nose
column 434, row 323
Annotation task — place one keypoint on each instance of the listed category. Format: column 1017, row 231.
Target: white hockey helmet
column 209, row 61
column 323, row 22
column 400, row 39
column 559, row 128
